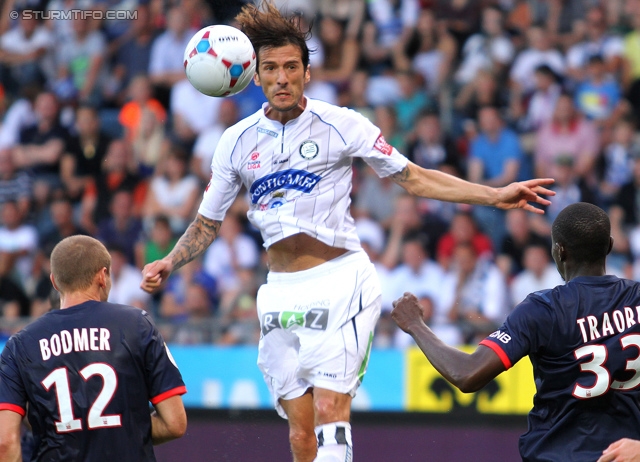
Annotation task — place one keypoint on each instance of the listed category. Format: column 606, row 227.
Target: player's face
column 282, row 77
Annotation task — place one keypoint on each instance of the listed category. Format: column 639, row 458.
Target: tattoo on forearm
column 195, row 240
column 401, row 176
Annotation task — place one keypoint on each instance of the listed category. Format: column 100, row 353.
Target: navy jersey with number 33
column 583, row 339
column 88, row 373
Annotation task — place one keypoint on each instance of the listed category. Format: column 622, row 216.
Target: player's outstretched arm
column 168, row 421
column 468, row 372
column 10, row 450
column 435, row 184
column 624, row 450
column 195, row 240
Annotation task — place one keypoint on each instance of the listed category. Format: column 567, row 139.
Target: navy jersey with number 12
column 583, row 339
column 88, row 373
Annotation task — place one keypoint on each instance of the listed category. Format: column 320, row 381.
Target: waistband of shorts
column 350, row 257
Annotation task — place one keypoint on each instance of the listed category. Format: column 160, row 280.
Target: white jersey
column 298, row 175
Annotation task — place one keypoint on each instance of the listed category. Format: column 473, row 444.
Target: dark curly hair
column 584, row 230
column 269, row 28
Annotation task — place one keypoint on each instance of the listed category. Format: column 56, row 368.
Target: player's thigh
column 300, row 413
column 330, row 406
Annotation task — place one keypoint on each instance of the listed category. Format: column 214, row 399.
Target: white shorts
column 317, row 326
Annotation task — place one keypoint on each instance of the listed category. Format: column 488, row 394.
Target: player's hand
column 624, row 450
column 155, row 274
column 522, row 194
column 407, row 311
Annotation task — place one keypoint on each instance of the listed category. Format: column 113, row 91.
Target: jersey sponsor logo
column 315, row 318
column 209, row 183
column 255, row 155
column 502, row 336
column 299, row 180
column 309, row 149
column 382, row 146
column 253, row 165
column 267, row 132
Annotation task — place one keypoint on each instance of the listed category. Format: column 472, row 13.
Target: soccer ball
column 219, row 60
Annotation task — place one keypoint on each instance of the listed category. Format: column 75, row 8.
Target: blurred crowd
column 101, row 134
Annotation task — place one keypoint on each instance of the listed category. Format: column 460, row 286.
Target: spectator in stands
column 473, row 293
column 460, row 17
column 81, row 62
column 631, row 65
column 18, row 244
column 165, row 64
column 18, row 116
column 463, row 229
column 430, row 50
column 391, row 23
column 484, row 90
column 159, row 243
column 192, row 112
column 350, row 13
column 489, row 49
column 567, row 134
column 542, row 103
column 431, row 147
column 243, row 325
column 84, row 152
column 599, row 97
column 412, row 101
column 122, row 229
column 539, row 273
column 540, row 51
column 132, row 56
column 405, row 220
column 569, row 187
column 125, row 281
column 119, row 171
column 208, row 139
column 597, row 42
column 341, row 52
column 231, row 260
column 495, row 159
column 141, row 102
column 521, row 233
column 173, row 192
column 61, row 213
column 618, row 159
column 15, row 186
column 41, row 145
column 24, row 50
column 416, row 271
column 625, row 210
column 173, row 298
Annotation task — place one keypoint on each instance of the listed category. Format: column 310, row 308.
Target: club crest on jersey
column 309, row 149
column 277, row 200
column 382, row 146
column 299, row 180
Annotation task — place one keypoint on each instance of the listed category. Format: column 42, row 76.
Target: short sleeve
column 524, row 332
column 163, row 377
column 366, row 141
column 13, row 395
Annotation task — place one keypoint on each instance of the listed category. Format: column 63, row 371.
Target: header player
column 321, row 302
column 88, row 371
column 583, row 339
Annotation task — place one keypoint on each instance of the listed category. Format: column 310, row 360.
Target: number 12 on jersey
column 68, row 423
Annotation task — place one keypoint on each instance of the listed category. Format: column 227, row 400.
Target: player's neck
column 285, row 116
column 77, row 298
column 572, row 271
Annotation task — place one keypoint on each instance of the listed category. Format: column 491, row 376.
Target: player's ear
column 610, row 245
column 53, row 282
column 307, row 74
column 256, row 79
column 102, row 277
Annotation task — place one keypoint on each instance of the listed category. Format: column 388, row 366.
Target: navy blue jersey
column 88, row 373
column 583, row 339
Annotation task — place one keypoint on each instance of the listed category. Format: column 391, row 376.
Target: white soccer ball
column 219, row 60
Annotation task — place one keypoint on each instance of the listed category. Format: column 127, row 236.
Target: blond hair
column 76, row 260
